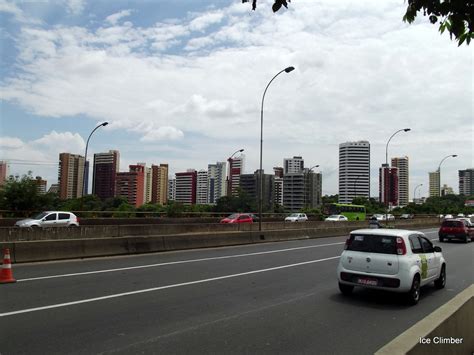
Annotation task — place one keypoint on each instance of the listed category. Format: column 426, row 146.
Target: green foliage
column 240, row 203
column 20, row 195
column 330, row 199
column 313, row 213
column 124, row 210
column 457, row 17
column 371, row 205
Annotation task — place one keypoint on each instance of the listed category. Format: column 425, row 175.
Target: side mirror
column 437, row 249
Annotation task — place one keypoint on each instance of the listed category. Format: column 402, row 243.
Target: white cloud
column 361, row 73
column 75, row 7
column 10, row 143
column 114, row 18
column 12, row 9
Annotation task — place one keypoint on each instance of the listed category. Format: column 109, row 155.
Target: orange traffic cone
column 6, row 275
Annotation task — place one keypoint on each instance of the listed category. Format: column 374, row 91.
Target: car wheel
column 34, row 227
column 414, row 293
column 345, row 289
column 441, row 281
column 467, row 239
column 441, row 239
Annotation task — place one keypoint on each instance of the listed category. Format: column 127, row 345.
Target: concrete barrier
column 11, row 234
column 80, row 243
column 448, row 330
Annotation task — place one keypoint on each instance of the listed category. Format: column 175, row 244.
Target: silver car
column 50, row 219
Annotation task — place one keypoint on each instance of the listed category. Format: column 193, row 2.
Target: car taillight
column 401, row 248
column 77, row 219
column 348, row 243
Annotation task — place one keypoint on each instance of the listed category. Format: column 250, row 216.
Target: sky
column 181, row 82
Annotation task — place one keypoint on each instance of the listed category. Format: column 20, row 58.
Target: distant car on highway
column 406, row 216
column 50, row 219
column 459, row 228
column 296, row 217
column 448, row 216
column 390, row 259
column 238, row 218
column 384, row 217
column 336, row 218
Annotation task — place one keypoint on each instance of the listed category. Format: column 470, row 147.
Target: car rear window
column 457, row 224
column 63, row 216
column 381, row 244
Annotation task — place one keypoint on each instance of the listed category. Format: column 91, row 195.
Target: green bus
column 352, row 212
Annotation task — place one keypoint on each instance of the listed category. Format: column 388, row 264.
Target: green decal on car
column 424, row 266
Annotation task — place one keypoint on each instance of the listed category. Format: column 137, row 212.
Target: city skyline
column 354, row 80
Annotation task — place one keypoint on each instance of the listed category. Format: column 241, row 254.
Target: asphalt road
column 275, row 298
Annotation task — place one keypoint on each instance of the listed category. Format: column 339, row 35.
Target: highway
column 271, row 298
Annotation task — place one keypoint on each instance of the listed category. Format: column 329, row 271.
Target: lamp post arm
column 386, row 147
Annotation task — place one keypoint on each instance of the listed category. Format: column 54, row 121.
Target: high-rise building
column 278, row 171
column 302, row 190
column 3, row 171
column 159, row 186
column 388, row 185
column 236, row 168
column 293, row 165
column 466, row 182
column 278, row 190
column 202, row 188
column 354, row 170
column 403, row 179
column 131, row 185
column 250, row 185
column 40, row 185
column 186, row 184
column 70, row 175
column 53, row 189
column 434, row 184
column 446, row 190
column 171, row 189
column 216, row 184
column 148, row 183
column 106, row 167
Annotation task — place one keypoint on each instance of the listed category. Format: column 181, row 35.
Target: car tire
column 346, row 289
column 467, row 239
column 414, row 293
column 440, row 282
column 441, row 239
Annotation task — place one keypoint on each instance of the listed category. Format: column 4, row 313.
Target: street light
column 85, row 161
column 414, row 192
column 439, row 170
column 286, row 70
column 386, row 165
column 229, row 189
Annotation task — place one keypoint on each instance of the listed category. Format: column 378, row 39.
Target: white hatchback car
column 393, row 260
column 50, row 219
column 336, row 218
column 296, row 217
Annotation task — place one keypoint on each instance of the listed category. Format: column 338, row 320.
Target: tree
column 20, row 195
column 456, row 16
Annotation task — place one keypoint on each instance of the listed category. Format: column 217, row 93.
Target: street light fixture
column 387, row 166
column 229, row 188
column 414, row 192
column 286, row 70
column 439, row 170
column 84, row 192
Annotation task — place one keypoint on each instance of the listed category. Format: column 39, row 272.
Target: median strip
column 131, row 293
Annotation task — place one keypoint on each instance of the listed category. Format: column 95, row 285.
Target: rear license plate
column 450, row 236
column 369, row 282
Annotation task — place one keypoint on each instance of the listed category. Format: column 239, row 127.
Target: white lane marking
column 29, row 310
column 174, row 263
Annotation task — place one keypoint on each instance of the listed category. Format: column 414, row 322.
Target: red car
column 238, row 218
column 456, row 229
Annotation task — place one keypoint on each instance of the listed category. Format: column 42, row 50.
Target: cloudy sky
column 181, row 82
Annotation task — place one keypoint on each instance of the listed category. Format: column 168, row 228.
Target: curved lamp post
column 439, row 170
column 229, row 159
column 414, row 192
column 260, row 200
column 84, row 192
column 386, row 162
